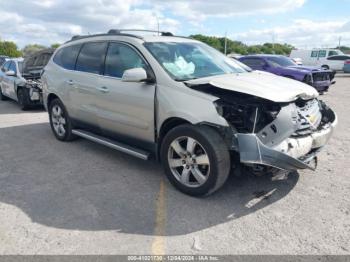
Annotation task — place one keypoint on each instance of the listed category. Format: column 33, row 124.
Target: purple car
column 319, row 78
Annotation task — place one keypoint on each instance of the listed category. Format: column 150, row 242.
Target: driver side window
column 254, row 63
column 121, row 57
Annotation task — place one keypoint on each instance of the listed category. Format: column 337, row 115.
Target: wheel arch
column 50, row 98
column 173, row 122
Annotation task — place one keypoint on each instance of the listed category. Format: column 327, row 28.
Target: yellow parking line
column 158, row 244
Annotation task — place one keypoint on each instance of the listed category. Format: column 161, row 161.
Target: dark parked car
column 319, row 78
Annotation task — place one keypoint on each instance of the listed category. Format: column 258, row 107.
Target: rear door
column 84, row 81
column 125, row 108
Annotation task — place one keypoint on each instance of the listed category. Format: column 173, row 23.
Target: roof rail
column 119, row 31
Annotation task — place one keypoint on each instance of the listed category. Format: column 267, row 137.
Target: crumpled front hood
column 260, row 84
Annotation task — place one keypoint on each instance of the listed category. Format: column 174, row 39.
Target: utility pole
column 158, row 24
column 339, row 42
column 226, row 43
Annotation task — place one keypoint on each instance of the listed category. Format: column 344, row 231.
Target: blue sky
column 303, row 23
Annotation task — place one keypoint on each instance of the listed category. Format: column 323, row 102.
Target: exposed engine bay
column 284, row 135
column 32, row 71
column 35, row 89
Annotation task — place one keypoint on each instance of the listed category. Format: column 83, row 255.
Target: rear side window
column 67, row 56
column 91, row 57
column 314, row 53
column 121, row 57
column 322, row 53
column 331, row 53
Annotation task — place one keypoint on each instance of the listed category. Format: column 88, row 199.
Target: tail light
column 347, row 62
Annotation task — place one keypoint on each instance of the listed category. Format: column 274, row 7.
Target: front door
column 125, row 108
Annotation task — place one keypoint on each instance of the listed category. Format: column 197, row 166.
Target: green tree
column 31, row 49
column 56, row 45
column 241, row 48
column 10, row 49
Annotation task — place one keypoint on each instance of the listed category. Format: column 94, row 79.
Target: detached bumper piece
column 253, row 151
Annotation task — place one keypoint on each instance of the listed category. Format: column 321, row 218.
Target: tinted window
column 331, row 53
column 338, row 58
column 322, row 53
column 121, row 57
column 255, row 63
column 67, row 56
column 314, row 53
column 13, row 67
column 91, row 57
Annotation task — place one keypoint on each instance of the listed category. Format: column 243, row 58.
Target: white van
column 326, row 58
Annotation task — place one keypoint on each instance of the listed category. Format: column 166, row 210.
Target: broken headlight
column 248, row 117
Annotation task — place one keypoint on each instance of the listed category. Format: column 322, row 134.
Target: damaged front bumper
column 290, row 154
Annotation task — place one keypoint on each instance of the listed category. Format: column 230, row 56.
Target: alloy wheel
column 188, row 161
column 58, row 120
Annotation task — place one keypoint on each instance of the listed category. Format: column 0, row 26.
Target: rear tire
column 60, row 122
column 196, row 159
column 2, row 97
column 23, row 98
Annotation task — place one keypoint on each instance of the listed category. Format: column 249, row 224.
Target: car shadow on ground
column 85, row 186
column 12, row 107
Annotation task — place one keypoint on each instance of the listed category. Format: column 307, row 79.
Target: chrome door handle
column 103, row 89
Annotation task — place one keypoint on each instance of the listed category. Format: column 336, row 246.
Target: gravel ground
column 83, row 198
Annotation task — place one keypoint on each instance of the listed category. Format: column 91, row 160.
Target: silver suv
column 182, row 102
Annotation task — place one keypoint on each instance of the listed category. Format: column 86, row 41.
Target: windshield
column 185, row 61
column 281, row 61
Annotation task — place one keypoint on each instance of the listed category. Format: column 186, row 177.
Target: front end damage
column 291, row 140
column 321, row 80
column 35, row 90
column 282, row 135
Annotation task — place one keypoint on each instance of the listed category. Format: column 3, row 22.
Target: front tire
column 61, row 124
column 23, row 98
column 2, row 97
column 196, row 159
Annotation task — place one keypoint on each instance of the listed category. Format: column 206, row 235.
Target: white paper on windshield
column 180, row 67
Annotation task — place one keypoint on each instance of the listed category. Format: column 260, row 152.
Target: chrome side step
column 112, row 144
